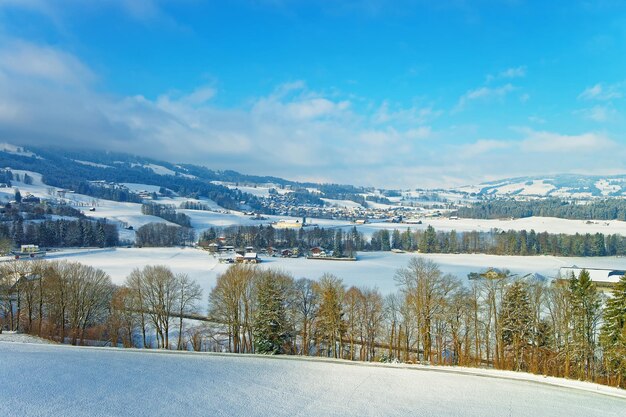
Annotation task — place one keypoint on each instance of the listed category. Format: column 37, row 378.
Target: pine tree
column 516, row 321
column 18, row 232
column 585, row 316
column 428, row 243
column 453, row 242
column 338, row 247
column 396, row 242
column 613, row 333
column 270, row 324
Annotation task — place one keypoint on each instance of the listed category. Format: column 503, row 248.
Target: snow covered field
column 373, row 269
column 69, row 381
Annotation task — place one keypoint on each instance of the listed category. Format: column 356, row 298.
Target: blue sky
column 405, row 93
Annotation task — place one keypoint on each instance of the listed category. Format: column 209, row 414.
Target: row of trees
column 498, row 242
column 563, row 329
column 60, row 233
column 58, row 300
column 303, row 238
column 499, row 320
column 163, row 235
column 73, row 303
column 607, row 209
column 166, row 212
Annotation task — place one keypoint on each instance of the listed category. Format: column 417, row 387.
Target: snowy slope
column 565, row 186
column 72, row 381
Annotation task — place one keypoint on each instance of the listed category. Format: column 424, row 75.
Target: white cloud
column 292, row 131
column 602, row 92
column 414, row 115
column 513, row 72
column 24, row 59
column 483, row 146
column 484, row 94
column 589, row 143
column 516, row 72
column 48, row 96
column 598, row 114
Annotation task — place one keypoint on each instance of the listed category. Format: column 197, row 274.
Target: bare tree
column 306, row 303
column 231, row 303
column 189, row 294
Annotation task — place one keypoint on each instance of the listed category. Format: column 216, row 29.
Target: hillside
column 71, row 381
column 556, row 186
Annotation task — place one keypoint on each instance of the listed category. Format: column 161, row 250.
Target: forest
column 564, row 328
column 606, row 209
column 61, row 233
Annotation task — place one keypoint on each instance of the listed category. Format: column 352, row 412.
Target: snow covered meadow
column 372, row 269
column 73, row 381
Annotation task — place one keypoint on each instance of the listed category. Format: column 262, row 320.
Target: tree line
column 495, row 241
column 500, row 242
column 74, row 303
column 166, row 212
column 559, row 329
column 564, row 328
column 81, row 232
column 606, row 209
column 164, row 235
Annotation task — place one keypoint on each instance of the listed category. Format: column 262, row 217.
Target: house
column 29, row 198
column 287, row 224
column 247, row 258
column 317, row 252
column 29, row 252
column 251, row 258
column 286, row 253
column 213, row 247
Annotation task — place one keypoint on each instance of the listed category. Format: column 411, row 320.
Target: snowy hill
column 565, row 186
column 73, row 381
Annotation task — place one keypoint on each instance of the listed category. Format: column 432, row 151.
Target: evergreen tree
column 270, row 323
column 18, row 196
column 428, row 243
column 396, row 242
column 18, row 232
column 613, row 333
column 516, row 321
column 384, row 240
column 586, row 311
column 338, row 246
column 453, row 242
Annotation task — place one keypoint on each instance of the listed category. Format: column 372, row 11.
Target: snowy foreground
column 373, row 269
column 53, row 380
